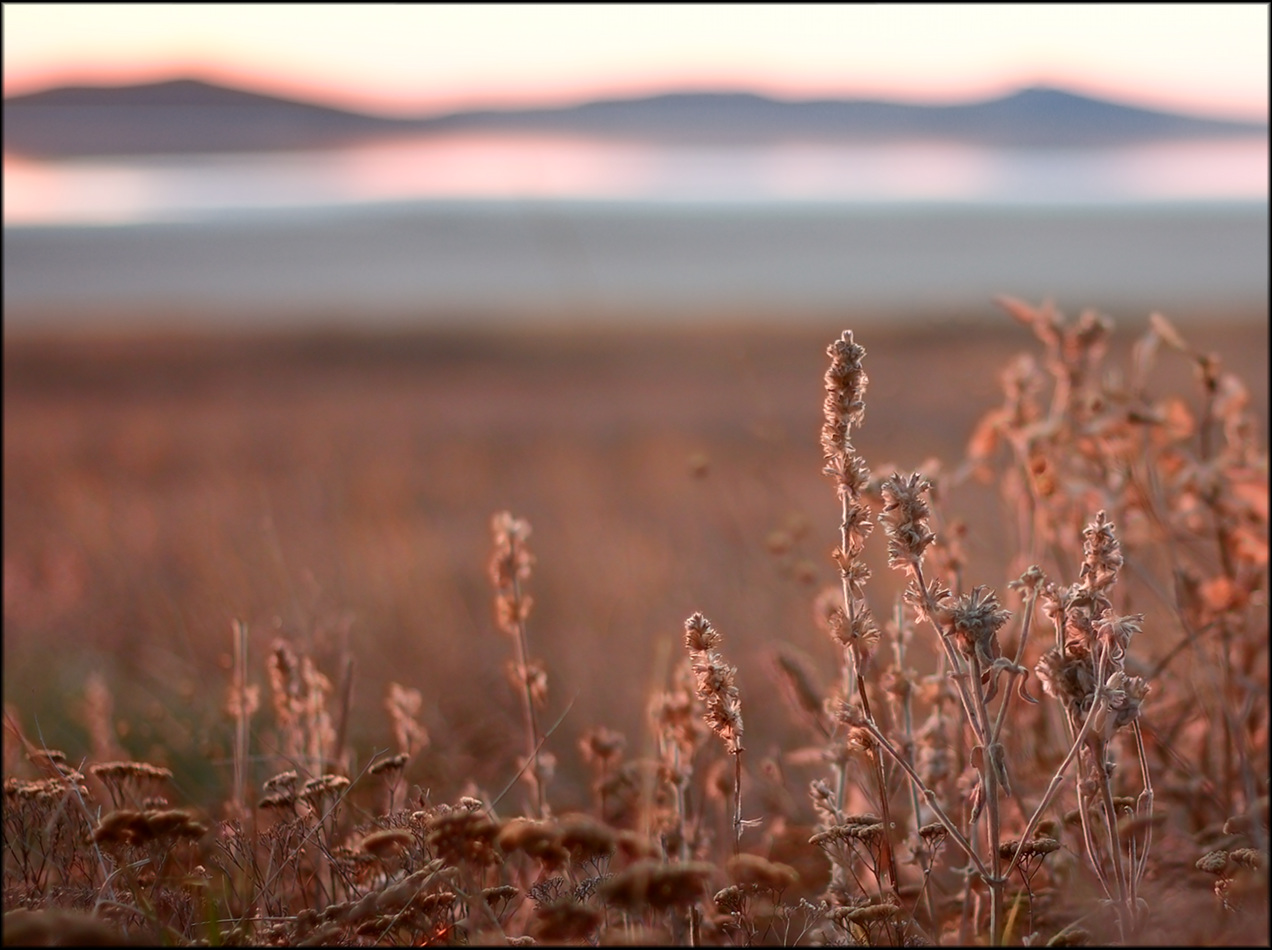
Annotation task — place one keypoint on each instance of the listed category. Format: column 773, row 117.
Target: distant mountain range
column 187, row 115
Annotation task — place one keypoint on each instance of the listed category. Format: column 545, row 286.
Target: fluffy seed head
column 975, row 619
column 700, row 636
column 905, row 518
column 716, row 681
column 845, row 393
column 1102, row 554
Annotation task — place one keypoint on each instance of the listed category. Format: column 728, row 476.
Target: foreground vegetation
column 1073, row 753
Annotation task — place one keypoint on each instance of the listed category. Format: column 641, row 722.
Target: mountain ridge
column 191, row 115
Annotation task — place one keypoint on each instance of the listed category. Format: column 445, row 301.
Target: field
column 228, row 558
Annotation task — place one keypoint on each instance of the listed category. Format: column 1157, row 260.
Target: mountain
column 1034, row 116
column 194, row 116
column 183, row 115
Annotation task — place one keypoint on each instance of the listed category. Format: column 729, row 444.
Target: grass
column 244, row 591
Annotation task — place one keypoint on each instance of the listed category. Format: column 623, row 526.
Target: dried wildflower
column 1244, row 824
column 1249, row 858
column 48, row 760
column 463, row 836
column 933, row 833
column 864, row 828
column 918, row 600
column 388, row 843
column 715, row 682
column 176, row 822
column 1102, row 554
column 393, row 763
column 122, row 826
column 565, row 921
column 586, row 839
column 538, row 839
column 1047, row 828
column 1213, row 862
column 700, row 636
column 756, row 871
column 403, row 705
column 283, row 780
column 1068, row 676
column 730, row 900
column 601, row 746
column 975, row 620
column 323, row 785
column 299, row 693
column 652, row 884
column 1030, row 580
column 1125, row 697
column 845, row 405
column 905, row 518
column 510, row 566
column 674, row 715
column 1036, row 847
column 279, row 800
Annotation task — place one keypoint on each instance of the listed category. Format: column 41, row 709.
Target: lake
column 167, row 188
column 473, row 226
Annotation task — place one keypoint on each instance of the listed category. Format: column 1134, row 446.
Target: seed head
column 845, row 394
column 1102, row 554
column 716, row 681
column 905, row 518
column 975, row 619
column 700, row 636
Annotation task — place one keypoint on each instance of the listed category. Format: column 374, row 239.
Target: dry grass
column 244, row 590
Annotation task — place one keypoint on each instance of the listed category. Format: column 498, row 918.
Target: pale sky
column 411, row 59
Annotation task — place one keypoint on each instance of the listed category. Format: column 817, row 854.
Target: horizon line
column 653, row 92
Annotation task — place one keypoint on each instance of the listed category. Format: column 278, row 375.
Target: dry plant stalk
column 852, row 625
column 1110, row 484
column 968, row 628
column 719, row 693
column 510, row 568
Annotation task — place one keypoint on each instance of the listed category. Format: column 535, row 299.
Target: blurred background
column 383, row 164
column 296, row 298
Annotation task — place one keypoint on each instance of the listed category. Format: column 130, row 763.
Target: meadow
column 580, row 636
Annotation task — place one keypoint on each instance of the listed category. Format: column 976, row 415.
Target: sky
column 407, row 59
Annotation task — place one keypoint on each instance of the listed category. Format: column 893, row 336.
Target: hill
column 193, row 116
column 183, row 115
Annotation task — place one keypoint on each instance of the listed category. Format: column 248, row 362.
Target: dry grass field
column 227, row 559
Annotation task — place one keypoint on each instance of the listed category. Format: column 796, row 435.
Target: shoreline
column 560, row 263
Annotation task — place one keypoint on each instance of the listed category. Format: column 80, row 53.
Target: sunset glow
column 1210, row 58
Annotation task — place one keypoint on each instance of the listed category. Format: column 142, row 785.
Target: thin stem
column 907, row 718
column 881, row 780
column 1056, row 779
column 532, row 720
column 928, row 795
column 1025, row 623
column 1144, row 808
column 989, row 778
column 959, row 674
